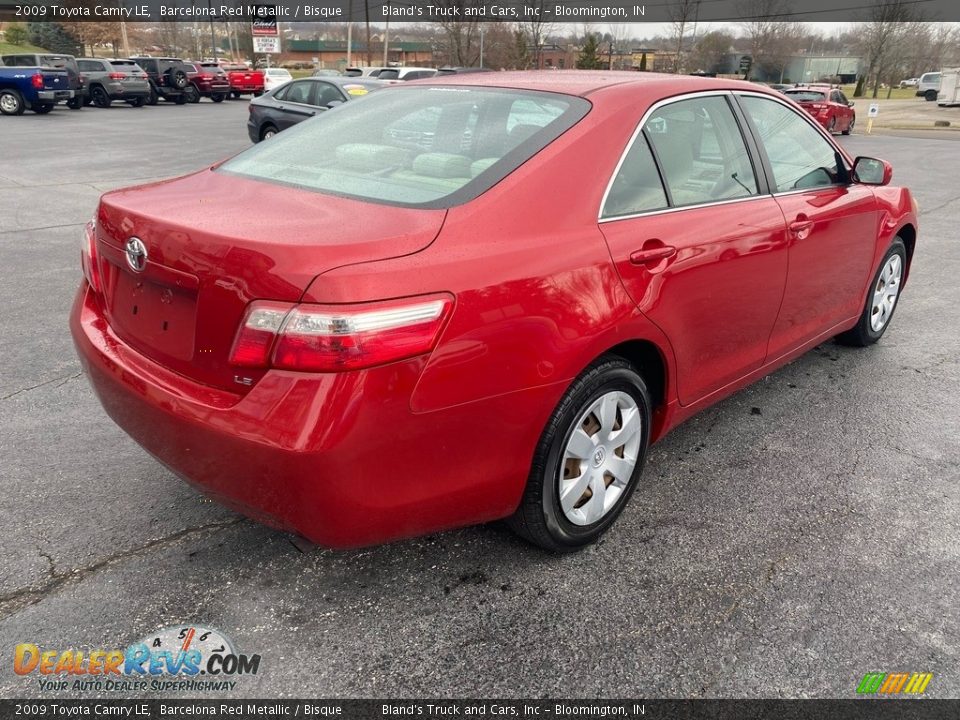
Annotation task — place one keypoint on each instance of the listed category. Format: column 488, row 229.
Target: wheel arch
column 908, row 233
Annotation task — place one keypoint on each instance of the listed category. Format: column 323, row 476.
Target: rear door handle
column 652, row 255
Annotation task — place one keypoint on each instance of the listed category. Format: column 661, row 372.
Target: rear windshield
column 805, row 95
column 414, row 146
column 125, row 64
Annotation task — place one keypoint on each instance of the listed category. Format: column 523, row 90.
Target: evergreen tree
column 53, row 37
column 589, row 58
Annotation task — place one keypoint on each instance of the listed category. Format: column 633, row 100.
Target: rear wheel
column 192, row 95
column 218, row 98
column 930, row 95
column 137, row 102
column 99, row 97
column 153, row 98
column 267, row 132
column 11, row 102
column 588, row 460
column 41, row 108
column 180, row 99
column 234, row 95
column 881, row 299
column 75, row 103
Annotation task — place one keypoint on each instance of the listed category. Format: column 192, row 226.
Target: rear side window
column 637, row 187
column 414, row 146
column 89, row 65
column 700, row 151
column 800, row 157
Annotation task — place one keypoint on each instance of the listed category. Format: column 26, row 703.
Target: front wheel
column 75, row 103
column 42, row 109
column 588, row 460
column 192, row 95
column 218, row 98
column 930, row 95
column 881, row 299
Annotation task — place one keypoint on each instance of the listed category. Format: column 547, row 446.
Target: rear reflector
column 331, row 338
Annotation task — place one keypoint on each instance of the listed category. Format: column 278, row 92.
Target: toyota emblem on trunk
column 136, row 253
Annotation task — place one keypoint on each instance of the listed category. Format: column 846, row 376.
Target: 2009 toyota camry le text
column 480, row 297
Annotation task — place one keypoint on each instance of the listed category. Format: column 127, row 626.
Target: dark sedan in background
column 299, row 100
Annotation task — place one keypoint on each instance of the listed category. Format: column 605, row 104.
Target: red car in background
column 827, row 104
column 243, row 80
column 411, row 335
column 206, row 80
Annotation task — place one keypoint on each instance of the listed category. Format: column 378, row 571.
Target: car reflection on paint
column 300, row 100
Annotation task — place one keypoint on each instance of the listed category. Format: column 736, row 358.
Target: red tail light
column 206, row 76
column 332, row 338
column 117, row 76
column 37, row 81
column 88, row 255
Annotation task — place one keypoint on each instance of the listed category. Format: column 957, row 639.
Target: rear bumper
column 54, row 95
column 338, row 458
column 128, row 91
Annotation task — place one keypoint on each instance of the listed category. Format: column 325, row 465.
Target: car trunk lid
column 215, row 242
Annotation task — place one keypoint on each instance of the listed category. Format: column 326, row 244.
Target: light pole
column 481, row 46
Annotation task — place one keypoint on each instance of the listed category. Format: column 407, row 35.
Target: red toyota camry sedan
column 481, row 297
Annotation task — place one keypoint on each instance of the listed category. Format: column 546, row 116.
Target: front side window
column 700, row 151
column 414, row 146
column 800, row 157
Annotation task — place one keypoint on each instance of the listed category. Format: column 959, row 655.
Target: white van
column 929, row 86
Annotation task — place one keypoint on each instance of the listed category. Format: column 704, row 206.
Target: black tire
column 180, row 99
column 192, row 95
column 11, row 102
column 42, row 108
column 863, row 334
column 258, row 94
column 268, row 131
column 930, row 95
column 153, row 98
column 177, row 78
column 234, row 95
column 99, row 97
column 219, row 97
column 853, row 121
column 75, row 103
column 137, row 102
column 831, row 128
column 539, row 518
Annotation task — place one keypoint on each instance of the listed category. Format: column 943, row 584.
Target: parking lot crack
column 63, row 380
column 14, row 601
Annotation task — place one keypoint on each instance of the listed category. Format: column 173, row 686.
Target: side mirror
column 850, row 103
column 870, row 171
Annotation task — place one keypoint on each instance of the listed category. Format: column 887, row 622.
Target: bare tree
column 878, row 37
column 682, row 13
column 536, row 28
column 710, row 51
column 761, row 25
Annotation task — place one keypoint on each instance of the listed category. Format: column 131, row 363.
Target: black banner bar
column 859, row 709
column 425, row 11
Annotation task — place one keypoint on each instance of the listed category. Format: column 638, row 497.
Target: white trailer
column 949, row 93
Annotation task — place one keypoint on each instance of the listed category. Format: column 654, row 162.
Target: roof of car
column 585, row 82
column 346, row 80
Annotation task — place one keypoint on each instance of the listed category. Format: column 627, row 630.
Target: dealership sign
column 264, row 27
column 266, row 45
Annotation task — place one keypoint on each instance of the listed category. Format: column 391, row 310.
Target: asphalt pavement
column 783, row 543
